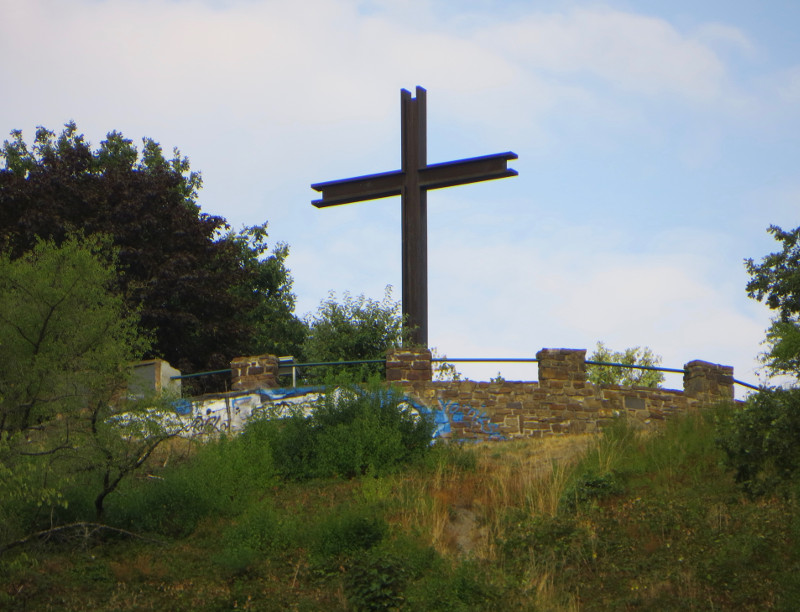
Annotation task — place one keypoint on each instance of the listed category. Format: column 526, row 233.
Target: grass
column 627, row 520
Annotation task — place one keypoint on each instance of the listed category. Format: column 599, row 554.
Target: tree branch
column 85, row 526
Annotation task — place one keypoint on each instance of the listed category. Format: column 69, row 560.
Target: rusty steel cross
column 412, row 183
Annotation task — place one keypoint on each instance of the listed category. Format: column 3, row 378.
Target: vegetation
column 66, row 343
column 760, row 441
column 352, row 507
column 617, row 375
column 649, row 520
column 444, row 370
column 776, row 281
column 355, row 329
column 204, row 293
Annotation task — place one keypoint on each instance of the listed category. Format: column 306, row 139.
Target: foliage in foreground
column 352, row 432
column 761, row 441
column 647, row 520
column 66, row 342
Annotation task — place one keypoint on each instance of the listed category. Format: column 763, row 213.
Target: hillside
column 627, row 520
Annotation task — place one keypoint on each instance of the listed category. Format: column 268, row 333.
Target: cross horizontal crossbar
column 434, row 176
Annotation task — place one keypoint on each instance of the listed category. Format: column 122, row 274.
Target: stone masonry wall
column 562, row 402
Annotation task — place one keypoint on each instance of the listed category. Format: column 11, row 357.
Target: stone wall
column 561, row 402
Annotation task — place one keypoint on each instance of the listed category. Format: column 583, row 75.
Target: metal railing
column 287, row 365
column 588, row 362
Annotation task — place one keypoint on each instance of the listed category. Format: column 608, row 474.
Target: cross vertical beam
column 412, row 183
column 414, row 215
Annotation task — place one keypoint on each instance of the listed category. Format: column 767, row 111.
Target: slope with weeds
column 629, row 519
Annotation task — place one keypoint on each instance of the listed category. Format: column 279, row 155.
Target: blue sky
column 656, row 143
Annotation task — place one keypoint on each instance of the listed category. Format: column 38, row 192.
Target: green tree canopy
column 66, row 347
column 776, row 282
column 355, row 329
column 629, row 377
column 205, row 294
column 64, row 339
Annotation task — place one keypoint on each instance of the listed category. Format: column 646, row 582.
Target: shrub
column 347, row 529
column 353, row 431
column 221, row 478
column 260, row 531
column 760, row 441
column 376, row 582
column 590, row 487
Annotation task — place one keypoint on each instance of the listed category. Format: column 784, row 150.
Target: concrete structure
column 154, row 377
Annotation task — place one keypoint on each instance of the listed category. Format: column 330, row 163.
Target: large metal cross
column 412, row 183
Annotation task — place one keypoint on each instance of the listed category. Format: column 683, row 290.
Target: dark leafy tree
column 776, row 282
column 276, row 330
column 205, row 294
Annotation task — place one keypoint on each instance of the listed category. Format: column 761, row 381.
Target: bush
column 760, row 441
column 221, row 478
column 376, row 582
column 354, row 431
column 347, row 529
column 259, row 532
column 589, row 488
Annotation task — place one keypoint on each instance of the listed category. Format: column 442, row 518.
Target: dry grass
column 462, row 509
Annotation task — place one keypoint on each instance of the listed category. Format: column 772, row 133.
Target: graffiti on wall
column 229, row 413
column 469, row 420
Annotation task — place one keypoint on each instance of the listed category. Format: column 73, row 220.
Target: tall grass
column 627, row 519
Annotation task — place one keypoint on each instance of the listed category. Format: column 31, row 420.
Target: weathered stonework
column 257, row 372
column 562, row 401
column 408, row 365
column 708, row 381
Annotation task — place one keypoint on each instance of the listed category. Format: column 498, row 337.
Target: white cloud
column 639, row 54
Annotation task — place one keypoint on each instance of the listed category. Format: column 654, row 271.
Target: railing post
column 564, row 367
column 708, row 382
column 256, row 372
column 408, row 365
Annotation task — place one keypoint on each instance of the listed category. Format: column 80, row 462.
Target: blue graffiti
column 453, row 412
column 450, row 418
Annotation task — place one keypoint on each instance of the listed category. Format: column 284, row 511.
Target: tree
column 776, row 281
column 444, row 370
column 66, row 345
column 276, row 330
column 616, row 375
column 63, row 337
column 760, row 437
column 356, row 329
column 205, row 294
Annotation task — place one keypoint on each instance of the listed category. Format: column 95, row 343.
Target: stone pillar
column 258, row 372
column 708, row 382
column 565, row 367
column 408, row 365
